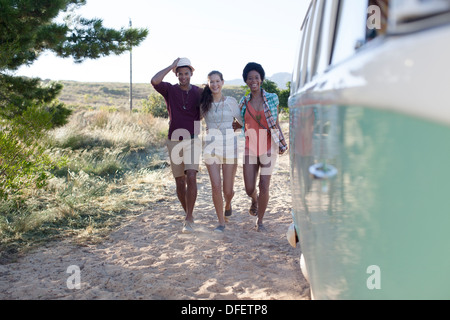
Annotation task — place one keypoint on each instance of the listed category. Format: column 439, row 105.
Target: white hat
column 183, row 62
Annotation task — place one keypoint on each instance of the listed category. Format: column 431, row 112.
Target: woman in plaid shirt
column 263, row 140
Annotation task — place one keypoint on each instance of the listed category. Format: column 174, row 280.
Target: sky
column 219, row 35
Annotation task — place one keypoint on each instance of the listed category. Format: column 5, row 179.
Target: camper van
column 370, row 149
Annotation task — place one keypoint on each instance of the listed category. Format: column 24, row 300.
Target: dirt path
column 149, row 258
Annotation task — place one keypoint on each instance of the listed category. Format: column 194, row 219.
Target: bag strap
column 282, row 147
column 251, row 114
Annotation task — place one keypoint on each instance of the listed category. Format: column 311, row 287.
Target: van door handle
column 323, row 171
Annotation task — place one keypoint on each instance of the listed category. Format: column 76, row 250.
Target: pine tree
column 27, row 108
column 27, row 29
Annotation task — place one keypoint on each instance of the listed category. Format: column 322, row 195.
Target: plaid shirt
column 271, row 103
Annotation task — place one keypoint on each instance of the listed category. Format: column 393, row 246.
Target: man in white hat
column 184, row 146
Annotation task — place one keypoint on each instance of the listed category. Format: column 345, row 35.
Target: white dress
column 220, row 142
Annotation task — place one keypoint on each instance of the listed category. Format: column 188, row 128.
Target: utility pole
column 131, row 73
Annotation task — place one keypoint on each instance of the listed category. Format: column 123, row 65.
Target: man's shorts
column 184, row 155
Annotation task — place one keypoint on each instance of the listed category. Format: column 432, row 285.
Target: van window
column 314, row 47
column 299, row 70
column 351, row 29
column 417, row 15
column 332, row 31
column 358, row 23
column 328, row 23
column 377, row 18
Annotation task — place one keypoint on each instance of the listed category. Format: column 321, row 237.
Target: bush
column 155, row 105
column 22, row 159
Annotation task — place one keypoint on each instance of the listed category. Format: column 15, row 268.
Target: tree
column 27, row 29
column 27, row 109
column 284, row 97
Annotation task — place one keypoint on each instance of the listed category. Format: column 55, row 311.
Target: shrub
column 22, row 159
column 155, row 105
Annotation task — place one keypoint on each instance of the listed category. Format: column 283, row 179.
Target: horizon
column 127, row 83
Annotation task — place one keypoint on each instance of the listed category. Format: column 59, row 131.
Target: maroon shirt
column 183, row 107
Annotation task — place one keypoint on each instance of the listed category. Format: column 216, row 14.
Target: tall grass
column 115, row 165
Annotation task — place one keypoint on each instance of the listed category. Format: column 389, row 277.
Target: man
column 184, row 146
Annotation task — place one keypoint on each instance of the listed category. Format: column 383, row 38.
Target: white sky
column 215, row 35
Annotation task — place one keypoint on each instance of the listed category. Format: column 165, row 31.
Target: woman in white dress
column 220, row 147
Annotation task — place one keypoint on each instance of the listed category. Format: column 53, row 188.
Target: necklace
column 219, row 124
column 258, row 116
column 218, row 103
column 187, row 98
column 260, row 108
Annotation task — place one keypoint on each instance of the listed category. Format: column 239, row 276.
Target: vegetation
column 27, row 108
column 49, row 176
column 106, row 95
column 110, row 164
column 115, row 96
column 155, row 105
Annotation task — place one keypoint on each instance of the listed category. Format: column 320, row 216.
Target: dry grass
column 116, row 96
column 115, row 165
column 104, row 94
